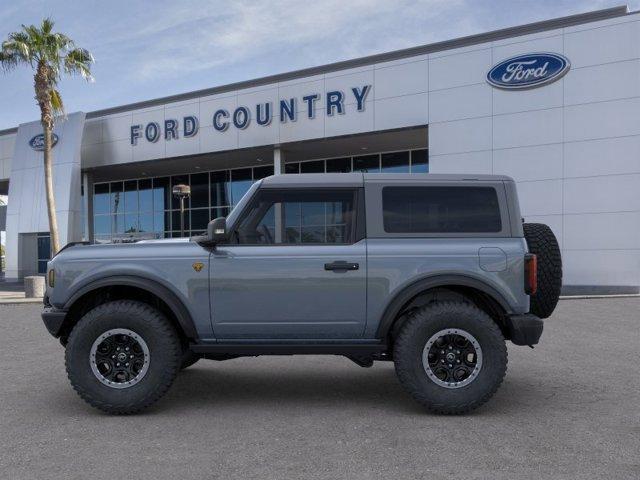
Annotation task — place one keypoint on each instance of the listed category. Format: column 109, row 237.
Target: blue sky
column 147, row 49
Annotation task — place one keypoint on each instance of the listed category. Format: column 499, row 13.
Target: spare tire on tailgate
column 542, row 242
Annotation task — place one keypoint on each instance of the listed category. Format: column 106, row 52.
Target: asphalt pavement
column 568, row 409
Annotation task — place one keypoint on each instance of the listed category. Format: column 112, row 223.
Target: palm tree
column 49, row 54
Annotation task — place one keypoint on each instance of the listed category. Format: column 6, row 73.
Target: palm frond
column 56, row 102
column 78, row 61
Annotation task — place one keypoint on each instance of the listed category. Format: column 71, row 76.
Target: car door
column 295, row 267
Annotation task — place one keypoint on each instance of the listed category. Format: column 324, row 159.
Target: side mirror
column 217, row 230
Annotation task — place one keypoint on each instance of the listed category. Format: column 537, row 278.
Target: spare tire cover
column 543, row 243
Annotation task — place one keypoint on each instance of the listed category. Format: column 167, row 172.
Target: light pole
column 181, row 192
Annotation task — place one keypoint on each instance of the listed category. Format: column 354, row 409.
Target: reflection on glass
column 312, row 167
column 117, row 225
column 116, row 197
column 292, row 168
column 420, row 161
column 397, row 162
column 145, row 195
column 131, row 223
column 101, row 198
column 366, row 163
column 241, row 180
column 179, row 180
column 161, row 194
column 145, row 223
column 199, row 219
column 131, row 196
column 159, row 223
column 102, row 225
column 220, row 189
column 261, row 172
column 341, row 165
column 200, row 190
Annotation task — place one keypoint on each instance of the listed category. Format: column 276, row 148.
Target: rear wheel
column 543, row 243
column 122, row 356
column 450, row 356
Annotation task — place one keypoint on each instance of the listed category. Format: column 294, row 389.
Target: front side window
column 294, row 217
column 441, row 209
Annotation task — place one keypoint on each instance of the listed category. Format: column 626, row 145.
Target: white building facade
column 568, row 132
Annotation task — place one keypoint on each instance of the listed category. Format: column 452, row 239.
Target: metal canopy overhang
column 350, row 145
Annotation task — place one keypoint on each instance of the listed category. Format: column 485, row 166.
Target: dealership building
column 553, row 104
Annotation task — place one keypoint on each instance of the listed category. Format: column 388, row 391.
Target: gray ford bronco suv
column 431, row 272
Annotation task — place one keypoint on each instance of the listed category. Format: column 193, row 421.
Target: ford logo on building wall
column 37, row 142
column 528, row 71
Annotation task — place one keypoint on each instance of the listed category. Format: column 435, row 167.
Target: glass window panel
column 102, row 225
column 102, row 239
column 199, row 219
column 42, row 266
column 131, row 222
column 292, row 168
column 175, row 219
column 116, row 197
column 179, row 180
column 441, row 210
column 200, row 190
column 117, row 224
column 220, row 189
column 131, row 196
column 241, row 180
column 397, row 162
column 312, row 235
column 145, row 222
column 312, row 213
column 341, row 165
column 44, row 247
column 420, row 161
column 161, row 221
column 145, row 195
column 101, row 198
column 219, row 212
column 307, row 217
column 261, row 172
column 161, row 194
column 366, row 163
column 312, row 167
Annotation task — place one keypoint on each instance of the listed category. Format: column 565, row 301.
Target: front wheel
column 450, row 356
column 122, row 356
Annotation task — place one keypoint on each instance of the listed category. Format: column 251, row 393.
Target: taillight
column 530, row 274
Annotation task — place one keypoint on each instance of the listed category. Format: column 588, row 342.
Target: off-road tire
column 543, row 243
column 188, row 358
column 164, row 356
column 412, row 337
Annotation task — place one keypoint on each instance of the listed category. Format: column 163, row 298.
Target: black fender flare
column 394, row 307
column 176, row 306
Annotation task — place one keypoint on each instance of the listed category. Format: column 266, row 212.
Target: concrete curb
column 19, row 300
column 581, row 297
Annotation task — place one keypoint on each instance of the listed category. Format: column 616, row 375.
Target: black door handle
column 341, row 265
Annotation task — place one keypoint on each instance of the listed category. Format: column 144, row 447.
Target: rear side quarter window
column 441, row 210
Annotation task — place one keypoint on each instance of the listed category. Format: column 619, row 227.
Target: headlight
column 52, row 277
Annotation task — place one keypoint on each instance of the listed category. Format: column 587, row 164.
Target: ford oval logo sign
column 528, row 71
column 37, row 142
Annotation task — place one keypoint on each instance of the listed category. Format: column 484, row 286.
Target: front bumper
column 53, row 319
column 524, row 329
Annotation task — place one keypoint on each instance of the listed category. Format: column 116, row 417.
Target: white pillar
column 87, row 206
column 278, row 161
column 278, row 169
